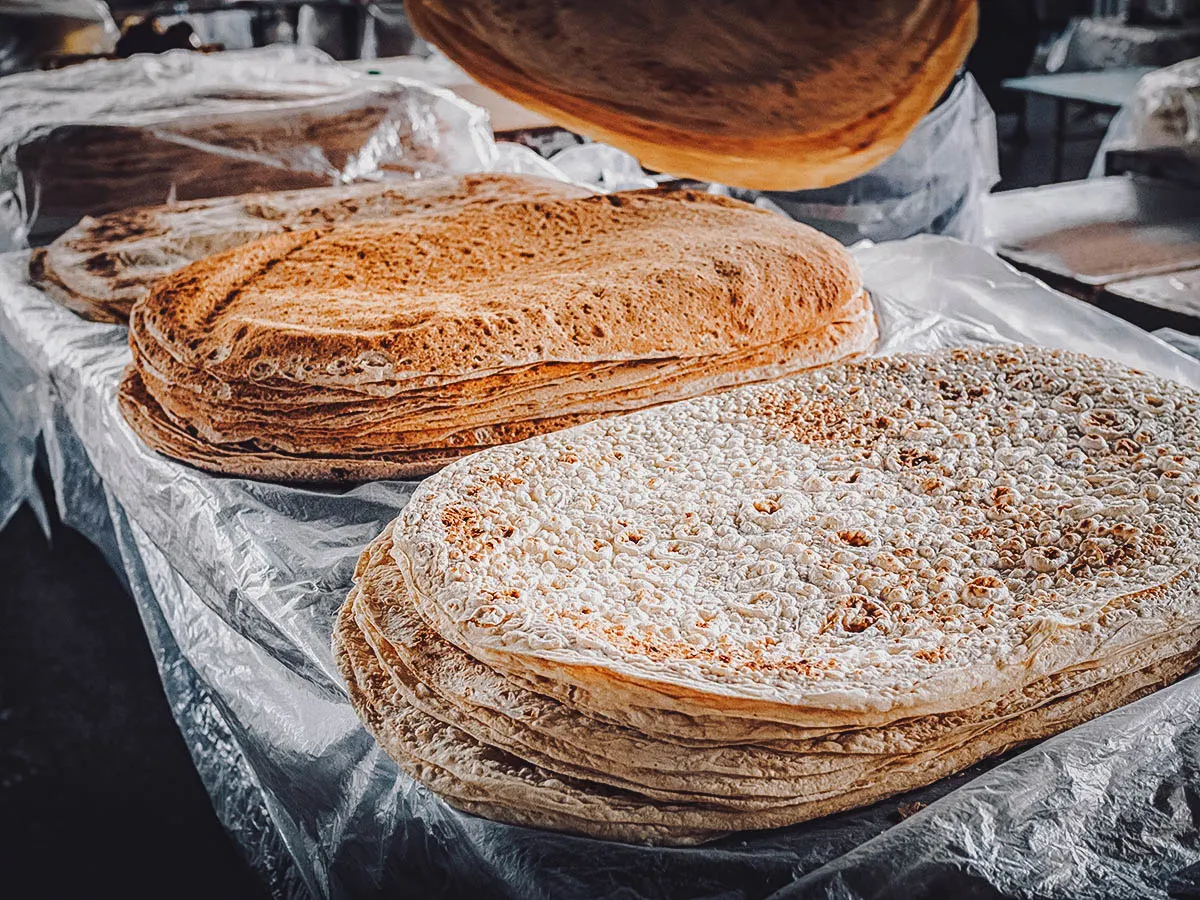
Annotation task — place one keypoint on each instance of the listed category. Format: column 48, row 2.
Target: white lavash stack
column 751, row 609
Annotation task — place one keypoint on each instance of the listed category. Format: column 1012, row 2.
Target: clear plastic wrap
column 238, row 582
column 1188, row 343
column 1164, row 112
column 933, row 184
column 106, row 135
column 602, row 166
column 79, row 10
column 22, row 400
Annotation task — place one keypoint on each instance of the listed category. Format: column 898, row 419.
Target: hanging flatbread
column 763, row 95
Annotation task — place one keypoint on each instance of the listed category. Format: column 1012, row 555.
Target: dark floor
column 97, row 792
column 98, row 796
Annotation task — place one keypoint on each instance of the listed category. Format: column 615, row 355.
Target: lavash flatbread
column 669, row 275
column 483, row 779
column 443, row 682
column 389, row 348
column 480, row 412
column 504, row 638
column 862, row 543
column 764, row 95
column 102, row 265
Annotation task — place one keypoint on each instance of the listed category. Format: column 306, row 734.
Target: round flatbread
column 764, row 95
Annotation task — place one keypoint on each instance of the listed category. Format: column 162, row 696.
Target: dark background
column 98, row 796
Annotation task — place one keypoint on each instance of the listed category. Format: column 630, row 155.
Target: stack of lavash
column 104, row 264
column 109, row 134
column 750, row 609
column 496, row 308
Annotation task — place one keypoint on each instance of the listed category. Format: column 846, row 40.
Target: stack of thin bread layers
column 101, row 266
column 750, row 609
column 96, row 137
column 495, row 309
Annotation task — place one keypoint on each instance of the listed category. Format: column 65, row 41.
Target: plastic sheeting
column 1188, row 343
column 1164, row 112
column 180, row 125
column 934, row 184
column 238, row 582
column 81, row 10
column 604, row 167
column 22, row 401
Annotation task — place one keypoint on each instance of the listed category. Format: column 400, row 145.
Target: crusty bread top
column 114, row 259
column 762, row 94
column 486, row 288
column 786, row 67
column 868, row 541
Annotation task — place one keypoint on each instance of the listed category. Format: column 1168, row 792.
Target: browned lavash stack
column 750, row 609
column 387, row 349
column 114, row 134
column 761, row 94
column 86, row 168
column 101, row 266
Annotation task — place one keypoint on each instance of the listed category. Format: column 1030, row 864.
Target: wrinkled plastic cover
column 1188, row 343
column 1163, row 112
column 933, row 184
column 93, row 12
column 238, row 583
column 21, row 414
column 605, row 167
column 189, row 99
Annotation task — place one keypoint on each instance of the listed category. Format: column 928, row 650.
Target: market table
column 1108, row 89
column 1127, row 243
column 1178, row 165
column 237, row 583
